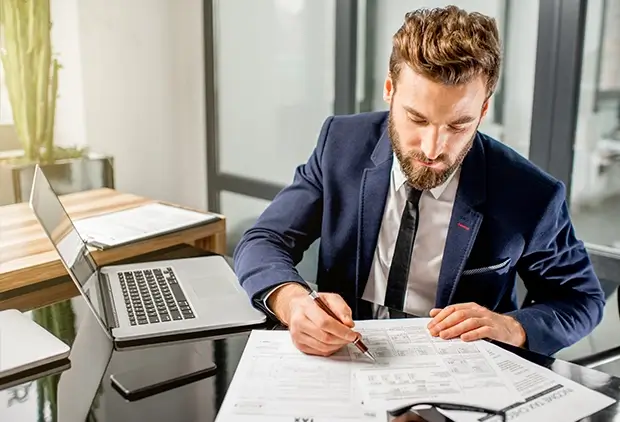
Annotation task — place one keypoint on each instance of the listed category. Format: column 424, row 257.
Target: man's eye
column 418, row 121
column 456, row 128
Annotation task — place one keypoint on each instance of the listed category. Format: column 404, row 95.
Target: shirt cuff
column 270, row 292
column 267, row 297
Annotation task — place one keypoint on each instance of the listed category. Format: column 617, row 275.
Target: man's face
column 432, row 126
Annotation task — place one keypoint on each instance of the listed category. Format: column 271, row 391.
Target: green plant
column 31, row 74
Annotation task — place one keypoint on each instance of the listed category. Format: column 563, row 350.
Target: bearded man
column 419, row 212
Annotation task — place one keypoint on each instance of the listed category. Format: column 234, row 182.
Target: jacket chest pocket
column 484, row 285
column 498, row 268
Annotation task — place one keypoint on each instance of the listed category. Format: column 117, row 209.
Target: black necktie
column 399, row 269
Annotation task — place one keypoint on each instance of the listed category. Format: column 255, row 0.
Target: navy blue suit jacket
column 509, row 218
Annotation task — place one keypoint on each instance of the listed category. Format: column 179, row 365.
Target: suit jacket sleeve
column 567, row 299
column 268, row 252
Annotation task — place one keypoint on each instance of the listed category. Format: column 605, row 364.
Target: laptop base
column 208, row 334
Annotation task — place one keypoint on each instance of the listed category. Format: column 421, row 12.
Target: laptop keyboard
column 153, row 296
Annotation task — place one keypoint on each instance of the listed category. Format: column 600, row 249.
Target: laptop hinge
column 108, row 305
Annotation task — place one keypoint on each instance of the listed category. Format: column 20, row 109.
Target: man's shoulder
column 368, row 124
column 355, row 134
column 363, row 118
column 508, row 167
column 516, row 189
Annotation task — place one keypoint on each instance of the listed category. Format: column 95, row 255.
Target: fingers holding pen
column 309, row 338
column 340, row 308
column 314, row 331
column 324, row 324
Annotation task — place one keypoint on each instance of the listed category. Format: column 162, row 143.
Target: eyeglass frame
column 394, row 413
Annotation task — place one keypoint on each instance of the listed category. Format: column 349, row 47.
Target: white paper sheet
column 137, row 223
column 545, row 395
column 414, row 366
column 276, row 382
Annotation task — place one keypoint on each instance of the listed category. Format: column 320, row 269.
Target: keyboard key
column 165, row 318
column 176, row 315
column 177, row 292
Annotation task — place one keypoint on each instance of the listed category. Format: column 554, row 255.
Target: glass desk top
column 84, row 391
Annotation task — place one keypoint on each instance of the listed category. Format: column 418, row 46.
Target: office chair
column 606, row 262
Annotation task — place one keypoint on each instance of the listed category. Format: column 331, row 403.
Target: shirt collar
column 399, row 179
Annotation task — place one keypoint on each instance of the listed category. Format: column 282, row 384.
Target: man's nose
column 432, row 144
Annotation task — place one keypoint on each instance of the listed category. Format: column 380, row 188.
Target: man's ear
column 485, row 107
column 388, row 89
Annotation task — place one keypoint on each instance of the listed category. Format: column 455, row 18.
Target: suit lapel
column 373, row 193
column 464, row 223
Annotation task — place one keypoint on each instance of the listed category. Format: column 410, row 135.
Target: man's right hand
column 313, row 331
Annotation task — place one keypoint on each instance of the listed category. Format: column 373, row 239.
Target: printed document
column 545, row 395
column 276, row 382
column 121, row 227
column 413, row 366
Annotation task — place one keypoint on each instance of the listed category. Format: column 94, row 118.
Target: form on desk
column 545, row 395
column 276, row 382
column 138, row 223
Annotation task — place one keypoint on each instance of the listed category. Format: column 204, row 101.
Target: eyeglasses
column 409, row 414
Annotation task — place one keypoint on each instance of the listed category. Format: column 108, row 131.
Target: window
column 595, row 192
column 607, row 101
column 6, row 116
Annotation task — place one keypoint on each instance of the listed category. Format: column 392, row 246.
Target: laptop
column 27, row 348
column 146, row 303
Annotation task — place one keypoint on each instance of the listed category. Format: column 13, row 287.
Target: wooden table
column 31, row 273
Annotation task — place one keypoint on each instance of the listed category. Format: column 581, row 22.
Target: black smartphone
column 151, row 379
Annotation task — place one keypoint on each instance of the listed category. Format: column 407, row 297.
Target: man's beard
column 419, row 176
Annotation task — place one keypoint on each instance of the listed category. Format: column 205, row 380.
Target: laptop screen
column 72, row 250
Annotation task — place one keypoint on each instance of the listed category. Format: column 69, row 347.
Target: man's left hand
column 470, row 321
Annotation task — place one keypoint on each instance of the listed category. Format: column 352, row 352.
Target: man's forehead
column 414, row 90
column 411, row 78
column 453, row 110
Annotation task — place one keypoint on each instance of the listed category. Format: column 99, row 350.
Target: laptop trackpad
column 209, row 289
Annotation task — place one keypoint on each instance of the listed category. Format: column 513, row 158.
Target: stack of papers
column 139, row 223
column 276, row 382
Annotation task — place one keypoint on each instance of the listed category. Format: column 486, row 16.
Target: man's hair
column 448, row 45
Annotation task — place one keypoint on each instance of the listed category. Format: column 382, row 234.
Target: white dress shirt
column 435, row 211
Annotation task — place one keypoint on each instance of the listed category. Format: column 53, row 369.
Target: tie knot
column 413, row 195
